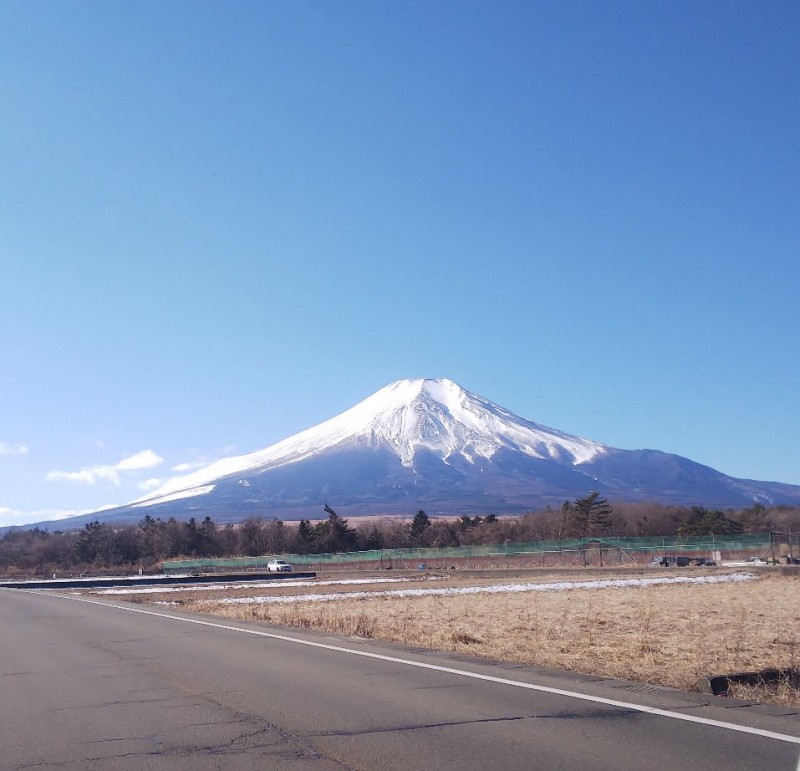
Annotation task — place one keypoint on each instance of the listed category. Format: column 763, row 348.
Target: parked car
column 279, row 566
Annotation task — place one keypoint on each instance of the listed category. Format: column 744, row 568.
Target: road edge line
column 452, row 671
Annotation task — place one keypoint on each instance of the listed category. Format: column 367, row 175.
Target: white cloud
column 199, row 460
column 150, row 484
column 92, row 474
column 190, row 466
column 13, row 449
column 141, row 460
column 86, row 476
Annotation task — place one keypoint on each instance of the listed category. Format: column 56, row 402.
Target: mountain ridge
column 428, row 443
column 405, row 416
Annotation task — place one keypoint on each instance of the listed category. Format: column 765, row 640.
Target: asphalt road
column 102, row 685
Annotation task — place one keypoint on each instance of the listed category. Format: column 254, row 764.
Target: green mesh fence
column 657, row 545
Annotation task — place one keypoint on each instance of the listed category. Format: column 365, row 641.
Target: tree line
column 101, row 546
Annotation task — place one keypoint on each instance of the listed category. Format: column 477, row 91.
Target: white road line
column 458, row 672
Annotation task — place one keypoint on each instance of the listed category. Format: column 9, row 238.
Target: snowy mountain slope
column 405, row 418
column 431, row 444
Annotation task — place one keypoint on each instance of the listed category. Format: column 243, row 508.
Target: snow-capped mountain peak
column 442, row 417
column 405, row 417
column 432, row 444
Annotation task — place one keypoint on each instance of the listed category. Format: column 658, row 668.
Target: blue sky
column 222, row 223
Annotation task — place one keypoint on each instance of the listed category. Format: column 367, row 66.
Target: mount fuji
column 431, row 444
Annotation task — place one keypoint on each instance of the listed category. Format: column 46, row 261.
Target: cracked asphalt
column 90, row 686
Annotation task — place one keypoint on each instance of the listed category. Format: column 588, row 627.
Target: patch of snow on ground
column 560, row 586
column 286, row 583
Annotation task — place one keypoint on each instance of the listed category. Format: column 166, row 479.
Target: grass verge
column 670, row 635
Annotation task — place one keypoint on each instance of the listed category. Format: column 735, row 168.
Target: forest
column 101, row 547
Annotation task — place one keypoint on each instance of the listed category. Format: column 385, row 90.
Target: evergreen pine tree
column 418, row 526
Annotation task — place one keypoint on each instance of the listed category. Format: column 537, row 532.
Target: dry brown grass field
column 670, row 635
